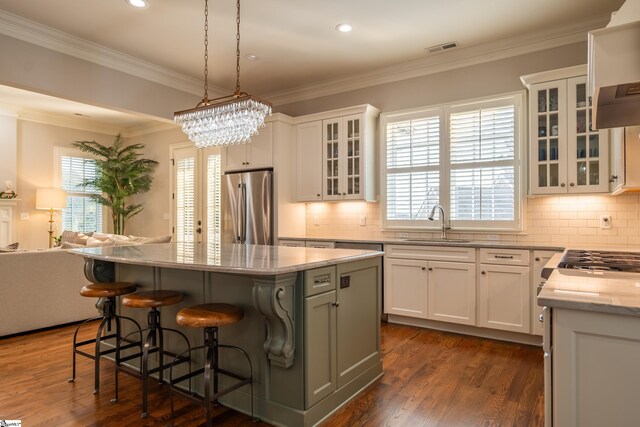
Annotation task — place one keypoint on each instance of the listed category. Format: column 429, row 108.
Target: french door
column 196, row 196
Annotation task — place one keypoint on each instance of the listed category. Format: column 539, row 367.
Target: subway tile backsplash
column 556, row 220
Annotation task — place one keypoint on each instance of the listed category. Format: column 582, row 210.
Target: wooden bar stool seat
column 154, row 340
column 106, row 293
column 107, row 289
column 210, row 317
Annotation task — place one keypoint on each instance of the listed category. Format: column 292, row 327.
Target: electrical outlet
column 363, row 220
column 24, row 216
column 605, row 222
column 316, row 221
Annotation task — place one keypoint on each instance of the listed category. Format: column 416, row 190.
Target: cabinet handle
column 318, row 195
column 430, row 268
column 344, row 194
column 335, row 304
column 572, row 184
column 613, row 178
column 504, row 256
column 483, row 272
column 537, row 258
column 541, row 318
column 424, row 268
column 562, row 185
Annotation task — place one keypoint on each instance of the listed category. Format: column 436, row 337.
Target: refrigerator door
column 233, row 211
column 259, row 207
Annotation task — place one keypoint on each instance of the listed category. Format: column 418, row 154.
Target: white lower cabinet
column 429, row 288
column 505, row 297
column 596, row 380
column 405, row 289
column 451, row 292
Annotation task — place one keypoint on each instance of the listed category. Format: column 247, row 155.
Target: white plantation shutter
column 413, row 162
column 482, row 144
column 185, row 199
column 81, row 213
column 214, row 194
column 478, row 182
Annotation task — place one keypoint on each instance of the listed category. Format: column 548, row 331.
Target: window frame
column 58, row 153
column 517, row 99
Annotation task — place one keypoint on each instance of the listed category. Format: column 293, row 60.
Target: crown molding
column 444, row 61
column 32, row 32
column 68, row 122
column 149, row 128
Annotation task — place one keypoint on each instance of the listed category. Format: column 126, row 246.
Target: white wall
column 8, row 149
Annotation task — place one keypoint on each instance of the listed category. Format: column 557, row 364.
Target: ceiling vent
column 441, row 47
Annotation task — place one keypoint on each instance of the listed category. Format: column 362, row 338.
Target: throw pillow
column 81, row 238
column 68, row 236
column 12, row 246
column 71, row 245
column 93, row 243
column 101, row 236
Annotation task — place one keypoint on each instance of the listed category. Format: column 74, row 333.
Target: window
column 82, row 213
column 464, row 156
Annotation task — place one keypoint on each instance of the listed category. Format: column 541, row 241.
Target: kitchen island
column 592, row 341
column 311, row 324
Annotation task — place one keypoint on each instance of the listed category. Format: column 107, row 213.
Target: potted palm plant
column 121, row 174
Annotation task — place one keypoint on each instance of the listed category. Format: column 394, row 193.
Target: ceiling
column 295, row 41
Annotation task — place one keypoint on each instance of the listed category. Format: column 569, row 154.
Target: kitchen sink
column 431, row 240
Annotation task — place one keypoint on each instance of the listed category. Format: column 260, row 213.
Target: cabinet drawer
column 291, row 243
column 504, row 256
column 319, row 280
column 434, row 253
column 319, row 244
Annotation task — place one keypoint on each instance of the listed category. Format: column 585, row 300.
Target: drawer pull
column 483, row 272
column 430, row 268
column 504, row 256
column 537, row 258
column 424, row 268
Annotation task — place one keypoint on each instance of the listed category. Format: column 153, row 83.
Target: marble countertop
column 615, row 293
column 226, row 258
column 436, row 242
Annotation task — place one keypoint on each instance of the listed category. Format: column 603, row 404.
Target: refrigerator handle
column 238, row 215
column 243, row 213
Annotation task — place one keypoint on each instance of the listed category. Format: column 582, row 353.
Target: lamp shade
column 51, row 198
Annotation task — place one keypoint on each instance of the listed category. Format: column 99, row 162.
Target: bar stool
column 210, row 317
column 107, row 293
column 154, row 340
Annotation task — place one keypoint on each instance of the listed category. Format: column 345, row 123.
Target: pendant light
column 231, row 119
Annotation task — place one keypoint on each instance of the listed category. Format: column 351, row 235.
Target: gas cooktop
column 592, row 260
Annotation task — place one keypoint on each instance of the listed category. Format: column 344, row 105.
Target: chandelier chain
column 237, row 47
column 206, row 49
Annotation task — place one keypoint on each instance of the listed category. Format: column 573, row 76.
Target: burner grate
column 601, row 261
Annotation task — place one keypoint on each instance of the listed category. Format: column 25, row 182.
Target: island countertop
column 226, row 258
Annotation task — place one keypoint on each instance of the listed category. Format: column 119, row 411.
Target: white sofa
column 39, row 289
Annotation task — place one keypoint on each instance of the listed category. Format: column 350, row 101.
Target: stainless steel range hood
column 614, row 75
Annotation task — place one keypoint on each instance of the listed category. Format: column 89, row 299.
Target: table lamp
column 51, row 199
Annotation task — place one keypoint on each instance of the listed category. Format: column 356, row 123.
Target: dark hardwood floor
column 430, row 379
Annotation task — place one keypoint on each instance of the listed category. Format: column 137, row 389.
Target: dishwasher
column 370, row 247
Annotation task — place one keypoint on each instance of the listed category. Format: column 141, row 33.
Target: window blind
column 482, row 144
column 413, row 177
column 214, row 195
column 185, row 199
column 82, row 213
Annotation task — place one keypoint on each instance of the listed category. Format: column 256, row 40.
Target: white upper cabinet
column 256, row 154
column 336, row 155
column 566, row 155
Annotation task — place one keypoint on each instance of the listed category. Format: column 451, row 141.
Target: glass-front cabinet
column 342, row 157
column 566, row 154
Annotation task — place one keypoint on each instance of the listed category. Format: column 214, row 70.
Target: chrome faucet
column 445, row 227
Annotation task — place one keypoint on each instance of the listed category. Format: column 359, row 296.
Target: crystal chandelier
column 232, row 119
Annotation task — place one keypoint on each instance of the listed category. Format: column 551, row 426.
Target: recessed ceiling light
column 141, row 4
column 251, row 57
column 344, row 28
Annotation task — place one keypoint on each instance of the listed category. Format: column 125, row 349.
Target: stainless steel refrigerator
column 247, row 205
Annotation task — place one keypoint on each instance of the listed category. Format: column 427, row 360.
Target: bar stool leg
column 211, row 359
column 96, row 364
column 145, row 370
column 75, row 346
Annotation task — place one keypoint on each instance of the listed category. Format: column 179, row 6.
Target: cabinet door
column 260, row 149
column 320, row 347
column 548, row 137
column 540, row 258
column 251, row 155
column 358, row 318
column 331, row 136
column 309, row 161
column 588, row 159
column 452, row 292
column 617, row 156
column 505, row 297
column 405, row 287
column 352, row 165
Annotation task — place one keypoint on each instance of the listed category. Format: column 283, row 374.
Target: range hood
column 614, row 75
